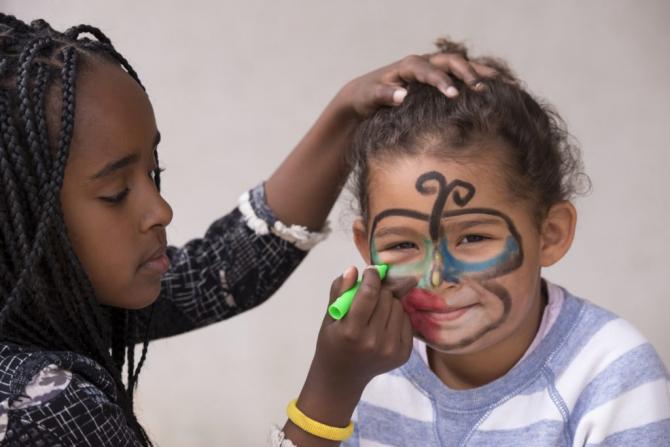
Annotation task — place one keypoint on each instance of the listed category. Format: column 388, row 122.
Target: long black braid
column 46, row 299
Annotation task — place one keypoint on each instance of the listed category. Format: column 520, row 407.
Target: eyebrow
column 123, row 162
column 398, row 231
column 472, row 223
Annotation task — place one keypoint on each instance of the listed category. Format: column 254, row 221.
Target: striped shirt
column 591, row 380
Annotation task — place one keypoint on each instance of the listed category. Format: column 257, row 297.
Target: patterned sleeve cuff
column 278, row 438
column 260, row 218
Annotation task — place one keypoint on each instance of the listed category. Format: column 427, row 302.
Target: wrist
column 329, row 400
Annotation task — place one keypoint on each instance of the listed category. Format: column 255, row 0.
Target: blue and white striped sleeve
column 627, row 398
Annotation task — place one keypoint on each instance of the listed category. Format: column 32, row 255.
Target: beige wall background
column 236, row 84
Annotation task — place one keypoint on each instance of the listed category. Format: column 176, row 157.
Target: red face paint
column 429, row 312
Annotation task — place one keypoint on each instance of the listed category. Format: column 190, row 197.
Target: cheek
column 522, row 287
column 104, row 248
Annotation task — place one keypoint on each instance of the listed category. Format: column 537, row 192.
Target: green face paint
column 466, row 246
column 472, row 243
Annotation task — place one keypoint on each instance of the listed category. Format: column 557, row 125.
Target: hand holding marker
column 342, row 304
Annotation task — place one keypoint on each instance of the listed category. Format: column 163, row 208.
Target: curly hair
column 540, row 160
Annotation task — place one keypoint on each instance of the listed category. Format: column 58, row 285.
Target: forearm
column 306, row 185
column 236, row 265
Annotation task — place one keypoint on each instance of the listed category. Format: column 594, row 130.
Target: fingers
column 400, row 287
column 380, row 316
column 436, row 68
column 399, row 332
column 458, row 66
column 406, row 333
column 417, row 68
column 366, row 298
column 396, row 317
column 484, row 71
column 385, row 86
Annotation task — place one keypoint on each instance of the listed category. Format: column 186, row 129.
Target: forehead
column 393, row 183
column 112, row 113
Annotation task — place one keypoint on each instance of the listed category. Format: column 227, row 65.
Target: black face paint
column 441, row 261
column 505, row 298
column 452, row 269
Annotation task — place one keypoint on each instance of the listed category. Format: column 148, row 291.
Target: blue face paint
column 454, row 269
column 440, row 263
column 470, row 246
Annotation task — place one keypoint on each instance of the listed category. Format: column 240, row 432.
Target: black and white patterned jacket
column 54, row 399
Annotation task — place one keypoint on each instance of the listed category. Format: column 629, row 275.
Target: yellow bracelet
column 317, row 428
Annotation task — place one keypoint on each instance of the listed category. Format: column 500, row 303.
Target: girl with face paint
column 470, row 198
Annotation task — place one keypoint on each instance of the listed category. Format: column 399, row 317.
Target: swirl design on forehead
column 463, row 192
column 451, row 267
column 443, row 192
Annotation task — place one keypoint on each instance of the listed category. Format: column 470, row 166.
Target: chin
column 148, row 301
column 465, row 344
column 140, row 299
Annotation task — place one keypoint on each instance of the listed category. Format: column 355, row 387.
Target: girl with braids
column 85, row 270
column 471, row 198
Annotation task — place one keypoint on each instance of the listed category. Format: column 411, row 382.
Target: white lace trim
column 254, row 222
column 278, row 438
column 298, row 235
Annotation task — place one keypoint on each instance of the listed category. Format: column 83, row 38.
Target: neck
column 465, row 371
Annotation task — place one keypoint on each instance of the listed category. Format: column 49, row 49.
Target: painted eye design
column 402, row 246
column 472, row 238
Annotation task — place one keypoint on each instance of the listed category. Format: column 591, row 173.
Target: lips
column 423, row 305
column 157, row 261
column 422, row 300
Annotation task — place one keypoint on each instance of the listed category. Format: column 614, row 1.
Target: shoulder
column 604, row 369
column 57, row 406
column 597, row 340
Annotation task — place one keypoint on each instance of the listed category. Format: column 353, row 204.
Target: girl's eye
column 116, row 198
column 402, row 246
column 472, row 238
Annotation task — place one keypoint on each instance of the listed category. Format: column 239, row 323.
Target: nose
column 436, row 269
column 158, row 213
column 441, row 270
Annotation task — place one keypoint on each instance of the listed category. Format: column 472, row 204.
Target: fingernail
column 480, row 86
column 348, row 271
column 451, row 92
column 371, row 267
column 399, row 95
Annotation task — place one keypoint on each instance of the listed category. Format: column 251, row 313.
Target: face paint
column 440, row 325
column 467, row 247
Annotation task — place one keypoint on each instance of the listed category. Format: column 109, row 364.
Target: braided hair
column 46, row 299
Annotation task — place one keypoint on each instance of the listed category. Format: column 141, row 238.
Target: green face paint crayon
column 342, row 304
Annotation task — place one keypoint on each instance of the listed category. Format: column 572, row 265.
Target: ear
column 558, row 232
column 361, row 239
